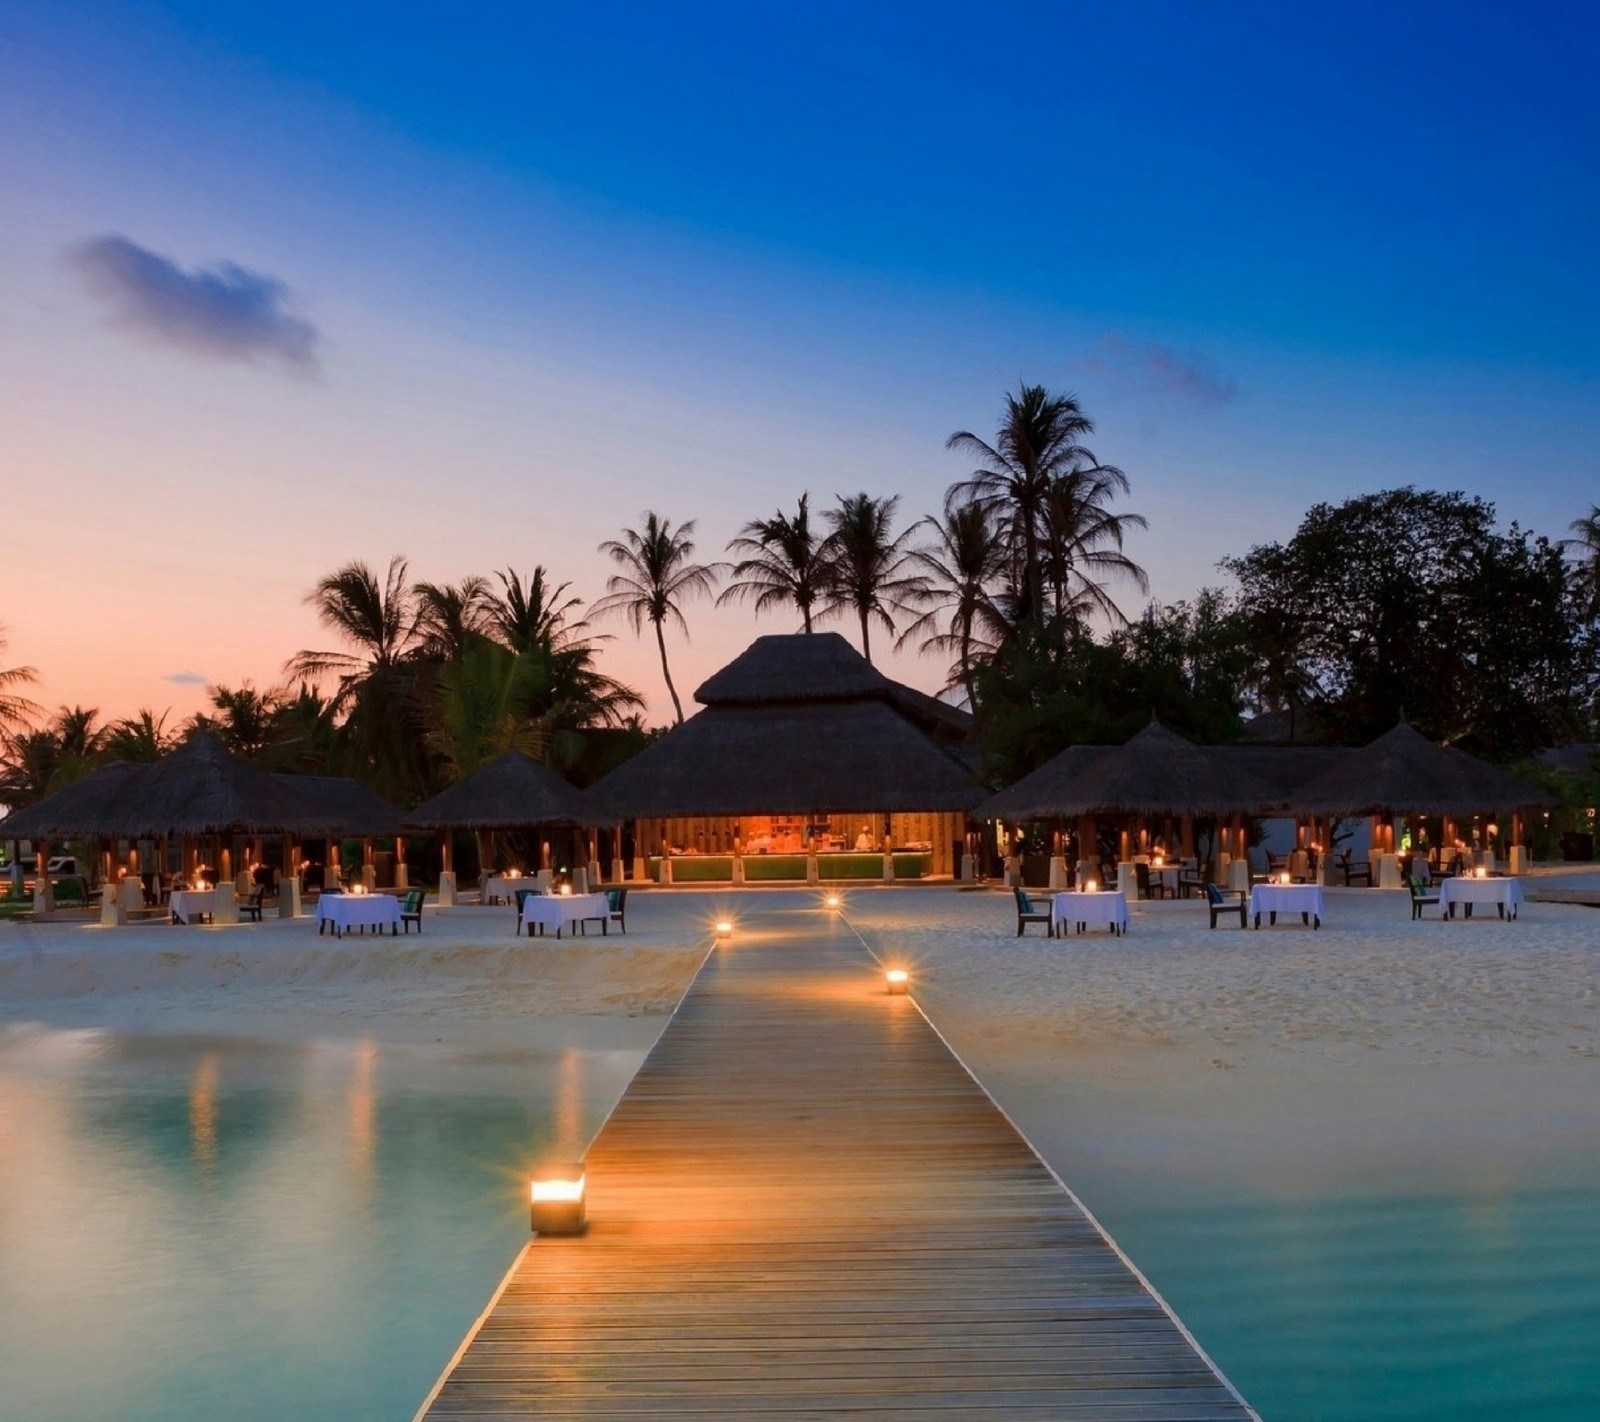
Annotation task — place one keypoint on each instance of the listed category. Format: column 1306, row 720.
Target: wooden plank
column 805, row 1206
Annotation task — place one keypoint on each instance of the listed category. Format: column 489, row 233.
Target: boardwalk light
column 833, row 901
column 896, row 980
column 724, row 928
column 557, row 1193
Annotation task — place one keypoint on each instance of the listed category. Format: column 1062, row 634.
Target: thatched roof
column 1284, row 770
column 1155, row 773
column 800, row 666
column 197, row 789
column 795, row 757
column 62, row 815
column 356, row 810
column 1402, row 772
column 510, row 792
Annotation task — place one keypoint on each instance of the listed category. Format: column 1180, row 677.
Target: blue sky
column 559, row 265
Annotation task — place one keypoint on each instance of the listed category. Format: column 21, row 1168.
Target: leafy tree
column 782, row 561
column 870, row 570
column 533, row 615
column 960, row 614
column 142, row 737
column 658, row 575
column 247, row 720
column 448, row 614
column 15, row 709
column 1411, row 603
column 1586, row 572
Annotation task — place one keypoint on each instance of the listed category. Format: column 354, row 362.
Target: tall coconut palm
column 658, row 574
column 448, row 615
column 38, row 762
column 1038, row 445
column 246, row 721
column 15, row 709
column 1082, row 546
column 782, row 562
column 533, row 614
column 870, row 572
column 961, row 565
column 376, row 682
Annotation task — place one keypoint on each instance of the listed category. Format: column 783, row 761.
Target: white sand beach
column 1374, row 1050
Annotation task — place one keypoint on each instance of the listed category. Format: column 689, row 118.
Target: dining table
column 502, row 888
column 1273, row 899
column 363, row 911
column 1504, row 892
column 559, row 911
column 192, row 905
column 1084, row 908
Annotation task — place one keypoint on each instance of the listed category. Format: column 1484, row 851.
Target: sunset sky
column 280, row 288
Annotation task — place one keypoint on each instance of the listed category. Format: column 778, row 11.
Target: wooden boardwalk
column 804, row 1206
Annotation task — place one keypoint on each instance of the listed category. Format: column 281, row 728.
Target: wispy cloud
column 226, row 312
column 1150, row 365
column 187, row 678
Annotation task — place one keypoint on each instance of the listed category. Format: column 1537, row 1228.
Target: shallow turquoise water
column 1428, row 1309
column 213, row 1229
column 196, row 1228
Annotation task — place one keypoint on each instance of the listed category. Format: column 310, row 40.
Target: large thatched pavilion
column 1402, row 781
column 806, row 763
column 511, row 792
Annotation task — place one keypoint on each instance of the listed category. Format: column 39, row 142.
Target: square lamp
column 896, row 981
column 557, row 1192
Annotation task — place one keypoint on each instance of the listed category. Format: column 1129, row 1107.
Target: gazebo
column 1402, row 775
column 511, row 792
column 806, row 763
column 359, row 813
column 196, row 792
column 1157, row 781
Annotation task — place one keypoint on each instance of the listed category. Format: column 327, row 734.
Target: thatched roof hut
column 1156, row 773
column 62, row 815
column 357, row 811
column 511, row 792
column 799, row 724
column 1402, row 772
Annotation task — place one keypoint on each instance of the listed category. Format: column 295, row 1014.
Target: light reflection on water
column 201, row 1228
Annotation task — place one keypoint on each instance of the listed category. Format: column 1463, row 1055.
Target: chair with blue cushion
column 1028, row 913
column 1220, row 901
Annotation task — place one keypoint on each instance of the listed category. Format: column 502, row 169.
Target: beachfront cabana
column 805, row 763
column 1402, row 776
column 195, row 794
column 512, row 792
column 1155, row 786
column 358, row 813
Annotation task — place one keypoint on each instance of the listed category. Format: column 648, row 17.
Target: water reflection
column 211, row 1228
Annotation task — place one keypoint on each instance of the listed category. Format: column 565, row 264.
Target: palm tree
column 246, row 721
column 1082, row 547
column 961, row 566
column 143, row 737
column 448, row 615
column 1586, row 575
column 782, row 562
column 535, row 614
column 15, row 709
column 867, row 567
column 658, row 575
column 38, row 762
column 1038, row 445
column 377, row 684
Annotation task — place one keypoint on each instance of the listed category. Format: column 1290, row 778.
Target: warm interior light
column 1283, row 878
column 896, row 979
column 566, row 888
column 556, row 1195
column 1481, row 872
column 1090, row 886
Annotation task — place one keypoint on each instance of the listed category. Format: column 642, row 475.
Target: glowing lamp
column 833, row 901
column 557, row 1193
column 1283, row 878
column 1091, row 886
column 896, row 980
column 1481, row 872
column 1158, row 860
column 724, row 928
column 566, row 889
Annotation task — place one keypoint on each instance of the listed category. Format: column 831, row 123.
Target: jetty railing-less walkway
column 805, row 1206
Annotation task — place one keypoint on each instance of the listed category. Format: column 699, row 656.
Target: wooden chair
column 1190, row 881
column 1352, row 870
column 1027, row 913
column 411, row 909
column 522, row 896
column 618, row 901
column 1149, row 888
column 250, row 909
column 1420, row 897
column 1220, row 901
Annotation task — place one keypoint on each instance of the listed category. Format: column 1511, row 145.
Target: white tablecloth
column 557, row 910
column 505, row 886
column 1268, row 899
column 188, row 905
column 1107, row 906
column 1465, row 889
column 347, row 911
